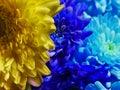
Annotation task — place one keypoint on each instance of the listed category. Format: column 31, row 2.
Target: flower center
column 2, row 27
column 8, row 27
column 7, row 24
column 111, row 46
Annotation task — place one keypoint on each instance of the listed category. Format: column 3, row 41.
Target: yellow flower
column 25, row 26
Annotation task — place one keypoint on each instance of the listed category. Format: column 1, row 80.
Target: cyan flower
column 105, row 40
column 103, row 46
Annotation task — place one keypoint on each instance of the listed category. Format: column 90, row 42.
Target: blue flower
column 76, row 77
column 70, row 24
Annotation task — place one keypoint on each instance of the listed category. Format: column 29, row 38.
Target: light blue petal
column 115, row 86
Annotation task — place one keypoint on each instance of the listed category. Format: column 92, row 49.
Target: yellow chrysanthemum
column 25, row 26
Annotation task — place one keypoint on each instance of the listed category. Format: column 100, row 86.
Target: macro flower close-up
column 105, row 39
column 97, row 40
column 25, row 26
column 59, row 44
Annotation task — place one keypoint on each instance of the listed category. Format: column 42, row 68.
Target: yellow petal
column 44, row 70
column 20, row 68
column 30, row 63
column 44, row 56
column 15, row 73
column 31, row 73
column 42, row 10
column 9, row 62
column 6, row 77
column 2, row 61
column 23, row 80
